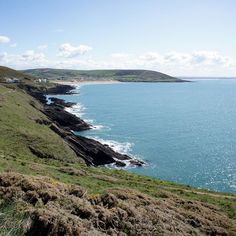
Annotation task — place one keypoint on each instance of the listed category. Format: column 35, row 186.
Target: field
column 90, row 75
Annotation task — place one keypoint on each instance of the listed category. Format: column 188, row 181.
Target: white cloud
column 42, row 47
column 211, row 58
column 67, row 50
column 31, row 55
column 120, row 55
column 197, row 63
column 177, row 58
column 151, row 58
column 3, row 57
column 28, row 59
column 198, row 58
column 4, row 39
column 58, row 30
column 13, row 45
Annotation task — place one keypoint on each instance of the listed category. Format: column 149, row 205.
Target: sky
column 177, row 37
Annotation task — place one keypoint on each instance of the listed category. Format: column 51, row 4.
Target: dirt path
column 201, row 193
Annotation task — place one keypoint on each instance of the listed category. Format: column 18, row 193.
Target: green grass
column 20, row 132
column 99, row 180
column 119, row 75
column 6, row 72
column 12, row 219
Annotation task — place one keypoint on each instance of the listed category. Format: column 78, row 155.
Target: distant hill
column 118, row 75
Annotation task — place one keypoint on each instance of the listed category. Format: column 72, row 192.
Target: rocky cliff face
column 68, row 121
column 64, row 123
column 92, row 151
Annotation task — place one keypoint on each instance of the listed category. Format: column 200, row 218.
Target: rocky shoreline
column 64, row 123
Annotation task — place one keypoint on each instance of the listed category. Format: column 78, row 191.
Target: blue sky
column 178, row 37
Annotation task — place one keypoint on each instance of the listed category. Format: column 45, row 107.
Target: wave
column 121, row 147
column 233, row 186
column 48, row 99
column 98, row 127
column 76, row 89
column 77, row 110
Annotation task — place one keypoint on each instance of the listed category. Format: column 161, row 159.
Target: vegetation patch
column 90, row 75
column 13, row 218
column 54, row 208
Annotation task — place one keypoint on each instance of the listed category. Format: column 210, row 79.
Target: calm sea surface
column 186, row 132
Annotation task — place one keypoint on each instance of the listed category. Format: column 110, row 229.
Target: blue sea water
column 186, row 132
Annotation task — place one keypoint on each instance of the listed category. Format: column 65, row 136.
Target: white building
column 11, row 80
column 8, row 80
column 42, row 80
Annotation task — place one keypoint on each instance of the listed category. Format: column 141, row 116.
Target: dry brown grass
column 55, row 208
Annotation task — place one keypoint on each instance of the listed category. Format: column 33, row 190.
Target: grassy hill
column 45, row 187
column 119, row 75
column 6, row 72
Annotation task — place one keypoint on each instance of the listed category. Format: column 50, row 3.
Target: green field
column 118, row 75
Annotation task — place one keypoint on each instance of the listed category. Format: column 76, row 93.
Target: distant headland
column 101, row 75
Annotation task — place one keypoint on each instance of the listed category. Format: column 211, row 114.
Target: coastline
column 86, row 82
column 65, row 123
column 95, row 135
column 52, row 191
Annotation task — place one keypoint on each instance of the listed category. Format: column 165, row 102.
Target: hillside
column 47, row 189
column 10, row 73
column 119, row 75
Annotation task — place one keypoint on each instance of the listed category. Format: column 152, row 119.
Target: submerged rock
column 61, row 102
column 137, row 162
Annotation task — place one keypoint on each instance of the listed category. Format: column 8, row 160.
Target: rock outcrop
column 68, row 121
column 92, row 151
column 64, row 123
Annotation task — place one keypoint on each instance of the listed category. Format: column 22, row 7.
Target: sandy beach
column 86, row 82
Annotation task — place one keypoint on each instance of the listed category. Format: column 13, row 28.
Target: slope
column 119, row 75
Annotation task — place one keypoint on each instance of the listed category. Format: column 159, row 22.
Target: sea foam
column 121, row 147
column 79, row 111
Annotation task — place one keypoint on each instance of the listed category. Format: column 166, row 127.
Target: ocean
column 185, row 132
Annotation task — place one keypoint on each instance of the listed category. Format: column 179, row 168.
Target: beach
column 86, row 82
